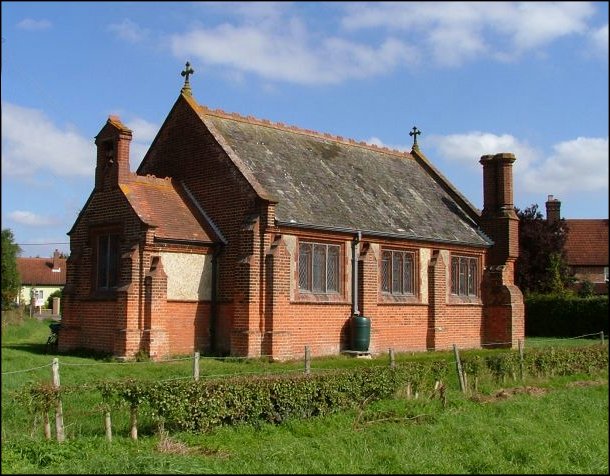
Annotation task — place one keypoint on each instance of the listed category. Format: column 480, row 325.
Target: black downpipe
column 355, row 241
column 214, row 298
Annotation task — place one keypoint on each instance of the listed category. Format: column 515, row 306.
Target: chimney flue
column 553, row 210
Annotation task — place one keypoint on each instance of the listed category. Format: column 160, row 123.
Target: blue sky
column 476, row 78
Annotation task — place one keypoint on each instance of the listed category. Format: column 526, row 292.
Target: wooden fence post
column 108, row 425
column 134, row 423
column 307, row 360
column 392, row 358
column 601, row 334
column 47, row 424
column 196, row 367
column 521, row 363
column 59, row 414
column 460, row 372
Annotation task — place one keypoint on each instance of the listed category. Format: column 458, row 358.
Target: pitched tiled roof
column 587, row 242
column 326, row 181
column 39, row 271
column 166, row 206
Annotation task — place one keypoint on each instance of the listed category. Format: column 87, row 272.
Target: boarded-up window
column 319, row 268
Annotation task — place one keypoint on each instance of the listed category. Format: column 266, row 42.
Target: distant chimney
column 56, row 256
column 553, row 210
column 112, row 153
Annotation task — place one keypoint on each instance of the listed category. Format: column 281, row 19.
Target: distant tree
column 541, row 266
column 558, row 275
column 587, row 289
column 54, row 294
column 11, row 281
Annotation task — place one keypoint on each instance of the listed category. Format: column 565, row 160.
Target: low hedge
column 559, row 316
column 199, row 406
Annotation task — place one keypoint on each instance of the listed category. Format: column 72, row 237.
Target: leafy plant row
column 198, row 406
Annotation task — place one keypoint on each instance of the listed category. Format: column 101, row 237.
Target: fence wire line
column 129, row 362
column 234, row 358
column 26, row 370
column 587, row 335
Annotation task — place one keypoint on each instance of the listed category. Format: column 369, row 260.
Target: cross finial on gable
column 415, row 132
column 186, row 89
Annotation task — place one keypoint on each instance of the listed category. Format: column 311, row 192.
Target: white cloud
column 290, row 53
column 599, row 41
column 467, row 149
column 143, row 131
column 579, row 165
column 31, row 219
column 379, row 143
column 128, row 30
column 533, row 24
column 454, row 32
column 29, row 24
column 31, row 143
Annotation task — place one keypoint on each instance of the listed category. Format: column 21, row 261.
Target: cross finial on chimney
column 186, row 89
column 414, row 133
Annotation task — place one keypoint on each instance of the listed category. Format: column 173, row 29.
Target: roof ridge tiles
column 300, row 130
column 152, row 179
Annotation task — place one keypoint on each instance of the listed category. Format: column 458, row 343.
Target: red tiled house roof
column 587, row 242
column 39, row 271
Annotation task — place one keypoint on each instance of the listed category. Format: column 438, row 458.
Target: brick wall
column 260, row 310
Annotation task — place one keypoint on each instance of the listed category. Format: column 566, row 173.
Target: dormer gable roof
column 167, row 207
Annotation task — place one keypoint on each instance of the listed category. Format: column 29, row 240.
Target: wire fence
column 259, row 359
column 91, row 391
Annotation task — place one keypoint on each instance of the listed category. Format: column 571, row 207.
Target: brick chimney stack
column 112, row 154
column 498, row 218
column 553, row 210
column 56, row 264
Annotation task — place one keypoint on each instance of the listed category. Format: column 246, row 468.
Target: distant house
column 248, row 237
column 40, row 277
column 586, row 247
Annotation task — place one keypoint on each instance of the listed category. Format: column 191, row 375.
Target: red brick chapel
column 246, row 237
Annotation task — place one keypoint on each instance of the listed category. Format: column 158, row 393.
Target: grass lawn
column 555, row 425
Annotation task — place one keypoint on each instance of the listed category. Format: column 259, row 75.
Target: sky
column 475, row 78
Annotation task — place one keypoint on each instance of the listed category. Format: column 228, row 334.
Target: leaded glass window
column 397, row 272
column 319, row 268
column 464, row 276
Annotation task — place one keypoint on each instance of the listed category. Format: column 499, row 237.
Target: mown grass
column 562, row 428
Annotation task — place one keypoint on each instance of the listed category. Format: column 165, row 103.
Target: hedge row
column 198, row 406
column 558, row 316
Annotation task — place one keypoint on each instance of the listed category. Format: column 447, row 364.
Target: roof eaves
column 384, row 234
column 469, row 208
column 233, row 156
column 81, row 212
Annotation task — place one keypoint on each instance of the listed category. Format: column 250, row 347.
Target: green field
column 553, row 425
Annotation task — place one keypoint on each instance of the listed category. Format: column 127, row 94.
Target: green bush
column 51, row 296
column 199, row 406
column 565, row 316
